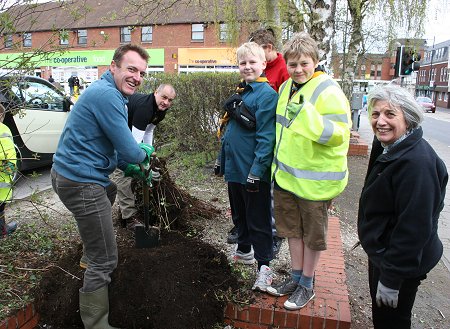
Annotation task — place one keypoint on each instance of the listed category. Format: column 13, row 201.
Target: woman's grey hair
column 397, row 97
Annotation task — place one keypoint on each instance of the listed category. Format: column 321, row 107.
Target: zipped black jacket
column 399, row 210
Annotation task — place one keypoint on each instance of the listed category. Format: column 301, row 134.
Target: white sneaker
column 264, row 279
column 244, row 258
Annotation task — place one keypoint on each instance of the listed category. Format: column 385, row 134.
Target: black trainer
column 277, row 243
column 232, row 237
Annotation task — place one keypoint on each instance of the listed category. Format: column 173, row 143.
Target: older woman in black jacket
column 399, row 207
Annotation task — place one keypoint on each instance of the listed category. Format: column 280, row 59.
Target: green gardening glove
column 148, row 150
column 134, row 171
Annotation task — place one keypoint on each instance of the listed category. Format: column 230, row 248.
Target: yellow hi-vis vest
column 312, row 139
column 7, row 154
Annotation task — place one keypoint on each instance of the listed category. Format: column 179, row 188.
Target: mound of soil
column 182, row 283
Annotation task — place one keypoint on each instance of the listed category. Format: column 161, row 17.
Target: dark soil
column 182, row 283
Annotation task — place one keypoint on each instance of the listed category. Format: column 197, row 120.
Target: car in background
column 35, row 112
column 426, row 103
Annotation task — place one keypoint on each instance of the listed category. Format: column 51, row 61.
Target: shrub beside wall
column 191, row 124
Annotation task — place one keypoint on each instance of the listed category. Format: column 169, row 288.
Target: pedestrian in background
column 310, row 163
column 399, row 207
column 95, row 140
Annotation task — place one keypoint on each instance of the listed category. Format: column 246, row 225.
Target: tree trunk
column 274, row 20
column 354, row 46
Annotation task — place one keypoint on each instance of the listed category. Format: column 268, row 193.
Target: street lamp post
column 431, row 85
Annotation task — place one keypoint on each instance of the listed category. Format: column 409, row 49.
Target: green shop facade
column 88, row 65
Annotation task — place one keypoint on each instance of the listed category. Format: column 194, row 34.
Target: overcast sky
column 437, row 24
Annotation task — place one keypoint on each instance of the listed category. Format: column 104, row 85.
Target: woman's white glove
column 386, row 296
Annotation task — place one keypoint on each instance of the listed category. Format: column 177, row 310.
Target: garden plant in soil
column 161, row 287
column 182, row 283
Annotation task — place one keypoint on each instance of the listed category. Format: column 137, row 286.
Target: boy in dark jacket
column 246, row 156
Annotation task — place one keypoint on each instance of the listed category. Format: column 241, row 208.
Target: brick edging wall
column 26, row 318
column 329, row 309
column 357, row 145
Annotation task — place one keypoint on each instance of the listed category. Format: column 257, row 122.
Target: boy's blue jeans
column 91, row 205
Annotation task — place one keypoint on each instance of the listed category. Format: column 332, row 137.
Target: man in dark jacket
column 145, row 111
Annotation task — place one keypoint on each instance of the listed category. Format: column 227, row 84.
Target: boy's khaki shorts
column 303, row 219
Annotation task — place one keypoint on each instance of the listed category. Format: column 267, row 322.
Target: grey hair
column 164, row 85
column 400, row 98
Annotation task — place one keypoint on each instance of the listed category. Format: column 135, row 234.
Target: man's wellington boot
column 94, row 309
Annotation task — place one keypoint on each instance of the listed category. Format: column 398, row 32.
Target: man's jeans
column 91, row 205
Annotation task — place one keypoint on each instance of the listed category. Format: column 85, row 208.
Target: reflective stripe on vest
column 336, row 178
column 311, row 175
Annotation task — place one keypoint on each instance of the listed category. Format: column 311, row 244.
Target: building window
column 125, row 34
column 379, row 70
column 82, row 37
column 63, row 38
column 8, row 41
column 197, row 32
column 26, row 39
column 372, row 70
column 362, row 71
column 147, row 34
column 224, row 34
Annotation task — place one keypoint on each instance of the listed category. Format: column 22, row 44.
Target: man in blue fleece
column 96, row 140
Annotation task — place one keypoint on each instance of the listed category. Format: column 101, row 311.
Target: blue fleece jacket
column 96, row 136
column 246, row 151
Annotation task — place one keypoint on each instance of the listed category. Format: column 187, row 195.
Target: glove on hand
column 156, row 175
column 252, row 184
column 8, row 167
column 386, row 296
column 134, row 171
column 148, row 150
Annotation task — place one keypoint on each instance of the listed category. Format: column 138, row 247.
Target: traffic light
column 416, row 64
column 407, row 61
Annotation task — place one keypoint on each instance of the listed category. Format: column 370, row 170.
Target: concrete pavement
column 365, row 131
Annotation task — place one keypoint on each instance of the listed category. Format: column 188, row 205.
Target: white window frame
column 197, row 32
column 147, row 34
column 8, row 40
column 125, row 34
column 26, row 40
column 82, row 36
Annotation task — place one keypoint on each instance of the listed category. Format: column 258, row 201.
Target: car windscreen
column 36, row 95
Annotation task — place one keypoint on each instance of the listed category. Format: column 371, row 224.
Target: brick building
column 432, row 78
column 181, row 38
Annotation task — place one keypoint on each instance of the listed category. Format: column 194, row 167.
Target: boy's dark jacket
column 399, row 210
column 247, row 151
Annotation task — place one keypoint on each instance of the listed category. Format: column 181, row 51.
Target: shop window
column 439, row 96
column 147, row 34
column 445, row 97
column 197, row 32
column 82, row 37
column 125, row 34
column 8, row 41
column 224, row 33
column 26, row 37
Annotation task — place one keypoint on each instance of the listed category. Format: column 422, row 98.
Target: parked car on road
column 426, row 103
column 36, row 112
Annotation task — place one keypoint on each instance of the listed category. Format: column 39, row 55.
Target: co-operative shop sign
column 67, row 60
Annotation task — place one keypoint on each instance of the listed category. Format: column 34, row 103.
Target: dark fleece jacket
column 399, row 210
